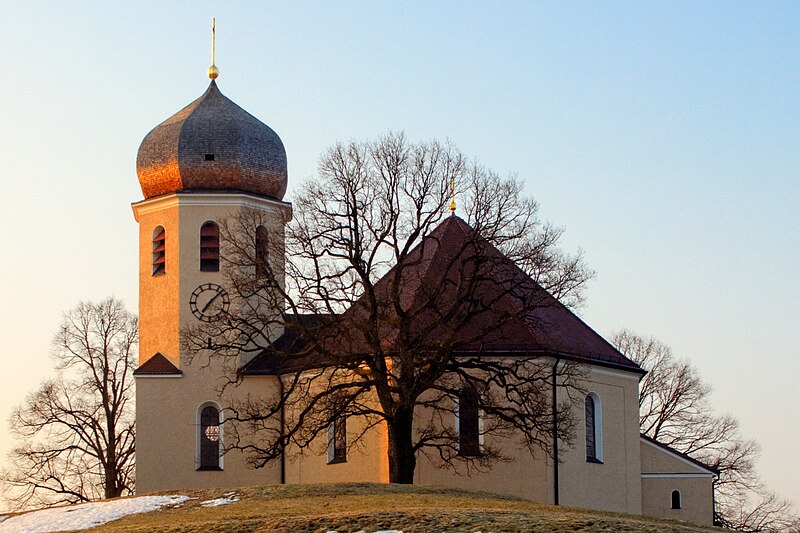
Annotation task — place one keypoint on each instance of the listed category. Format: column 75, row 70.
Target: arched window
column 210, row 438
column 209, row 247
column 262, row 252
column 337, row 440
column 676, row 499
column 159, row 251
column 468, row 423
column 594, row 429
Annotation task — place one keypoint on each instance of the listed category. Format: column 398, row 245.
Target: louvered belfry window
column 159, row 251
column 209, row 247
column 262, row 252
column 209, row 438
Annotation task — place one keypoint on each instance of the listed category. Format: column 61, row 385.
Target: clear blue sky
column 663, row 136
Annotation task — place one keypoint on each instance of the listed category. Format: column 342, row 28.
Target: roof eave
column 684, row 456
column 557, row 355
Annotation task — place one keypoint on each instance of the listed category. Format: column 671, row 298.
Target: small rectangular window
column 209, row 157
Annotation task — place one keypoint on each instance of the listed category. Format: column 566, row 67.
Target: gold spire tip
column 453, row 196
column 213, row 71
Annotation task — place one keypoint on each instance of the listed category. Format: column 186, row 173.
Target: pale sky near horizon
column 663, row 136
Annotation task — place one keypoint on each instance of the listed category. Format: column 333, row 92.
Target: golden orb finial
column 453, row 195
column 213, row 71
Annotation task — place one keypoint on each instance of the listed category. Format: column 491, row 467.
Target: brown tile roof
column 509, row 313
column 672, row 450
column 158, row 365
column 289, row 351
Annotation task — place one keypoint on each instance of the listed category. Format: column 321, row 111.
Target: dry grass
column 372, row 507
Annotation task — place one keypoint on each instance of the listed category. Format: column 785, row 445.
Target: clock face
column 209, row 302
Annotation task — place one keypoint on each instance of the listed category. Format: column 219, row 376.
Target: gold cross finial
column 453, row 195
column 213, row 71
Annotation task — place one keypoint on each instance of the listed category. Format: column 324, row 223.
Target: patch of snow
column 382, row 531
column 227, row 498
column 85, row 515
column 362, row 531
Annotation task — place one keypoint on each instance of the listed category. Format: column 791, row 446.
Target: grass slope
column 372, row 507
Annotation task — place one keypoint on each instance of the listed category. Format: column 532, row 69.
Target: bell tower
column 204, row 164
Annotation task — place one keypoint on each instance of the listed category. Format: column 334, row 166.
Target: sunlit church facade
column 213, row 159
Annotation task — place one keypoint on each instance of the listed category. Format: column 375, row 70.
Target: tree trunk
column 112, row 490
column 402, row 461
column 110, row 474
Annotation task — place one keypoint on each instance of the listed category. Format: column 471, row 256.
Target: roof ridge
column 465, row 230
column 157, row 364
column 679, row 453
column 421, row 278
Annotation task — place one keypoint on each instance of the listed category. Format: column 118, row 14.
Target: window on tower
column 209, row 438
column 209, row 247
column 262, row 252
column 159, row 251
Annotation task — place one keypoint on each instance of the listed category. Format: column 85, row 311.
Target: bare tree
column 390, row 310
column 674, row 409
column 76, row 432
column 758, row 511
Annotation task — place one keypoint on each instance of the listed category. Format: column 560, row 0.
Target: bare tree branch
column 674, row 409
column 382, row 317
column 76, row 432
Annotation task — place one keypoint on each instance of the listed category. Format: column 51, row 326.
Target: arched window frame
column 676, row 499
column 594, row 428
column 199, row 438
column 337, row 440
column 262, row 252
column 473, row 446
column 159, row 260
column 209, row 247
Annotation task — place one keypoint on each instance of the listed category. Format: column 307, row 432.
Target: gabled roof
column 510, row 313
column 680, row 455
column 292, row 343
column 543, row 324
column 158, row 365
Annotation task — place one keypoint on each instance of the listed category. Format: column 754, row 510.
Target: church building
column 213, row 159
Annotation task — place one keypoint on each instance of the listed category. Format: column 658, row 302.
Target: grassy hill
column 374, row 507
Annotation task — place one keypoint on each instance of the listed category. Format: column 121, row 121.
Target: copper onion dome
column 212, row 144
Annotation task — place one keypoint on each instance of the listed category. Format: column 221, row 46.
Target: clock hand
column 203, row 310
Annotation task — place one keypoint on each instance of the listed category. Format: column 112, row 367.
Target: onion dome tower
column 212, row 144
column 210, row 163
